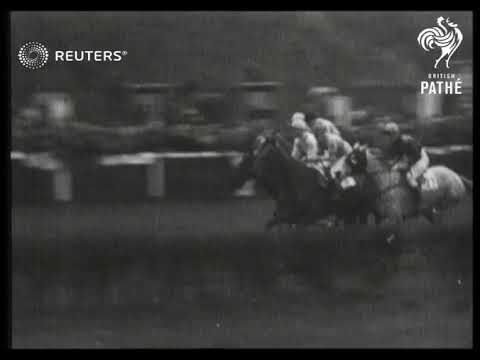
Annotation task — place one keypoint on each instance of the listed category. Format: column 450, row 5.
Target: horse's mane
column 284, row 148
column 289, row 181
column 284, row 144
column 382, row 178
column 376, row 160
column 290, row 170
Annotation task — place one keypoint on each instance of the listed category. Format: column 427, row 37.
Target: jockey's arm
column 296, row 153
column 347, row 148
column 331, row 151
column 400, row 163
column 313, row 159
column 312, row 151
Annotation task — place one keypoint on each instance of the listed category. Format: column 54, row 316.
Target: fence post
column 247, row 190
column 62, row 184
column 156, row 178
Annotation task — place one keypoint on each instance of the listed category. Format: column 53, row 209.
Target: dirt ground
column 183, row 274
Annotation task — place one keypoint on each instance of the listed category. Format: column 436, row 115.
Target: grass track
column 205, row 274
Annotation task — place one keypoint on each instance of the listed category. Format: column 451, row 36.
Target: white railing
column 155, row 162
column 156, row 170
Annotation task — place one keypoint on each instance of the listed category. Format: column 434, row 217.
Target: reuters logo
column 33, row 55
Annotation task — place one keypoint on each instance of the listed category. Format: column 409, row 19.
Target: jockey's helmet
column 298, row 122
column 322, row 126
column 391, row 128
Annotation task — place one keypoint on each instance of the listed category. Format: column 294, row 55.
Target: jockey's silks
column 305, row 147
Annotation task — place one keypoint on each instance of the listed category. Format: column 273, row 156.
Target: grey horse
column 387, row 192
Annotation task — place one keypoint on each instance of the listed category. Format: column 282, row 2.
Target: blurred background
column 213, row 80
column 111, row 159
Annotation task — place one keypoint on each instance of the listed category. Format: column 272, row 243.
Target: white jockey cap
column 391, row 128
column 298, row 121
column 325, row 126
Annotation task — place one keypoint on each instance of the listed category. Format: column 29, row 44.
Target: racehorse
column 387, row 193
column 300, row 200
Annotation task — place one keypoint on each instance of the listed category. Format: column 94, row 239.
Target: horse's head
column 353, row 163
column 245, row 165
column 261, row 143
column 266, row 148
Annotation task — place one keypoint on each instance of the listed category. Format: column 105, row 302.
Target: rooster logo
column 448, row 40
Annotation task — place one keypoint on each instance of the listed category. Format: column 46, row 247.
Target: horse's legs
column 279, row 219
column 271, row 223
column 429, row 216
column 363, row 218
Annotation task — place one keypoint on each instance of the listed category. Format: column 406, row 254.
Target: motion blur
column 210, row 186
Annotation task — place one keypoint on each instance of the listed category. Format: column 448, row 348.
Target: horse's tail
column 467, row 182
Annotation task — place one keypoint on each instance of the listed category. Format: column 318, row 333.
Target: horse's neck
column 283, row 176
column 272, row 169
column 290, row 164
column 284, row 144
column 379, row 173
column 375, row 165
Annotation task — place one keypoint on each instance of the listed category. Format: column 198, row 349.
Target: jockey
column 330, row 141
column 324, row 125
column 407, row 152
column 305, row 146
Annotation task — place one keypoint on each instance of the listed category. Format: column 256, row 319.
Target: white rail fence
column 155, row 175
column 62, row 179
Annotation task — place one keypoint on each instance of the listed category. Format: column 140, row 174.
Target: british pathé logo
column 447, row 37
column 441, row 84
column 34, row 55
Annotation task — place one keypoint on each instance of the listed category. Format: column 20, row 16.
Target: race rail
column 62, row 181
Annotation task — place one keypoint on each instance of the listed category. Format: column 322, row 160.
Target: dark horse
column 300, row 200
